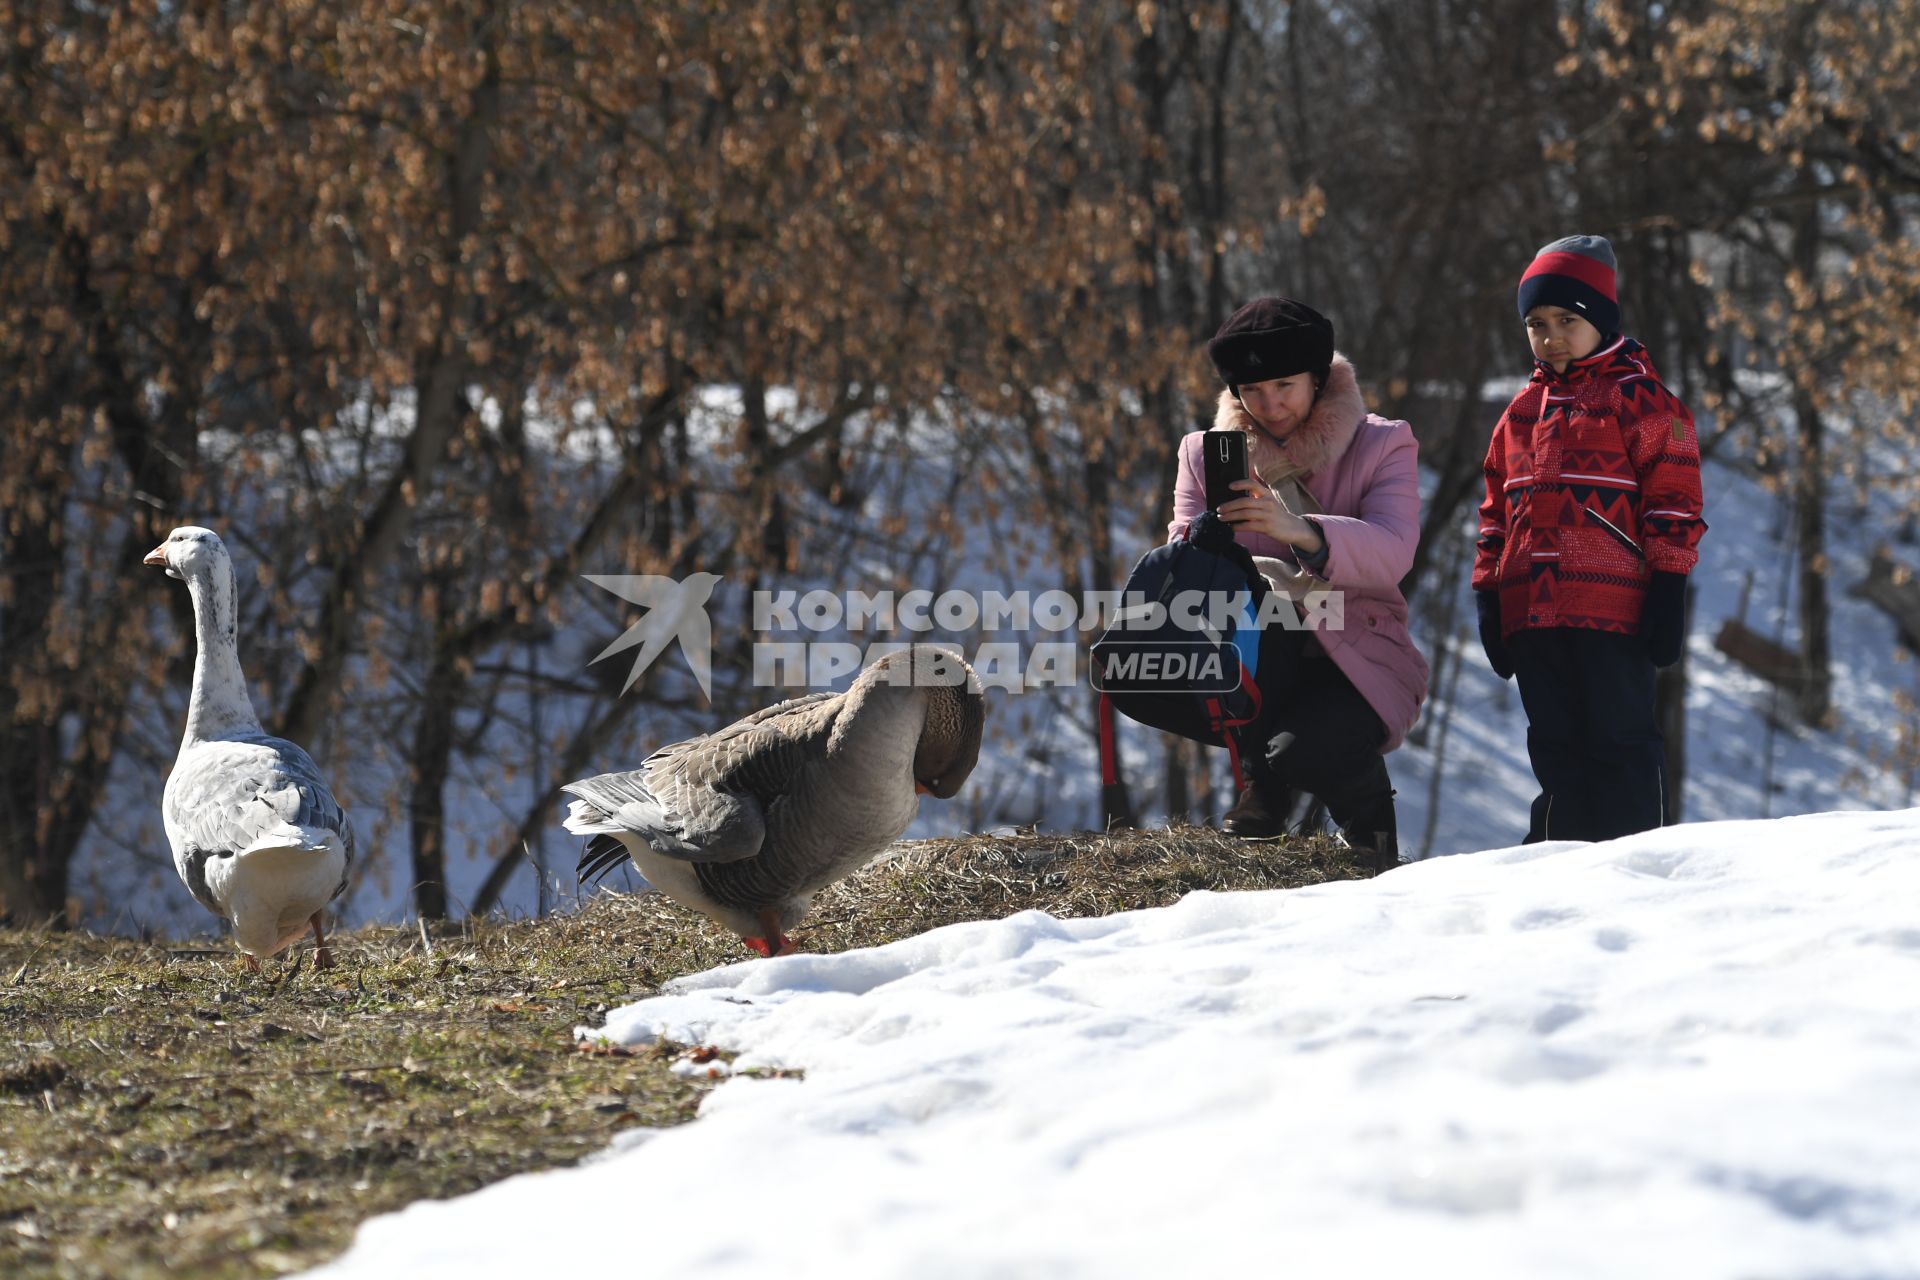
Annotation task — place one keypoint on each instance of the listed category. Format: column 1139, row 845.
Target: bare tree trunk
column 1815, row 693
column 772, row 550
column 1212, row 183
column 431, row 759
column 1097, row 515
column 440, row 376
column 33, row 876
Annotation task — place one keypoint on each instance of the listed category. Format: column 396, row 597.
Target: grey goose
column 747, row 823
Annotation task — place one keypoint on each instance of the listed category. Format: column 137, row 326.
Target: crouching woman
column 1334, row 505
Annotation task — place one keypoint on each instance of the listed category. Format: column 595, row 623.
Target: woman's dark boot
column 1264, row 803
column 1256, row 815
column 1366, row 818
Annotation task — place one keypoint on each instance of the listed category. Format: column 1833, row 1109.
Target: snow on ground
column 1693, row 1052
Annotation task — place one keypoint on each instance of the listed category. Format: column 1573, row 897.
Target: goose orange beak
column 921, row 789
column 157, row 556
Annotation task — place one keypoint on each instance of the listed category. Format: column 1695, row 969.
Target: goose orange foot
column 781, row 944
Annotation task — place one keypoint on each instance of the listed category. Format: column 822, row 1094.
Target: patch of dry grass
column 924, row 884
column 164, row 1112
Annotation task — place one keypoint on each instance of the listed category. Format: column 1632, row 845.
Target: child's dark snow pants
column 1591, row 732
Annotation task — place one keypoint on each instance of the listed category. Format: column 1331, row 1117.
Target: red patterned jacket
column 1593, row 483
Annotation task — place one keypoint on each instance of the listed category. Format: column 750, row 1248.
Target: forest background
column 432, row 307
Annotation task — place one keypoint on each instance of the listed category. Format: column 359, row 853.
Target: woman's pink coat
column 1363, row 471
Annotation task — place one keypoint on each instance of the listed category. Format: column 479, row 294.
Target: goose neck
column 879, row 719
column 220, row 703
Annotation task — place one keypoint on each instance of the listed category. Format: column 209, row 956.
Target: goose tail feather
column 585, row 818
column 603, row 853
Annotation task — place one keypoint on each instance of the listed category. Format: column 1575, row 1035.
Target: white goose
column 747, row 823
column 257, row 837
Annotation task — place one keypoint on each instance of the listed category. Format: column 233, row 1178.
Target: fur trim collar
column 1330, row 427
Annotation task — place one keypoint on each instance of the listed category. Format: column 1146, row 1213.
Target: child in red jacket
column 1587, row 533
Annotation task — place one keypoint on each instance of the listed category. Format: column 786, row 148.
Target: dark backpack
column 1154, row 667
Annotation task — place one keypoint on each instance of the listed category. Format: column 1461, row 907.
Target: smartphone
column 1226, row 453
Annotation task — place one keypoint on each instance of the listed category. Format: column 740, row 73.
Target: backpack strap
column 1109, row 767
column 1223, row 728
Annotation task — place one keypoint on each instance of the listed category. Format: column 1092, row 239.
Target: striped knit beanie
column 1575, row 272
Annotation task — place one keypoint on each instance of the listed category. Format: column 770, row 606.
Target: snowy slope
column 1695, row 1052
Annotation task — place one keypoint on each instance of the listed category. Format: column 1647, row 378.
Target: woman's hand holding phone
column 1261, row 511
column 1224, row 455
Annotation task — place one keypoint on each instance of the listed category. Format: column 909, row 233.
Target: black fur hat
column 1272, row 338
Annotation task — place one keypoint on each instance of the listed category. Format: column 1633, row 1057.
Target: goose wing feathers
column 706, row 799
column 225, row 797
